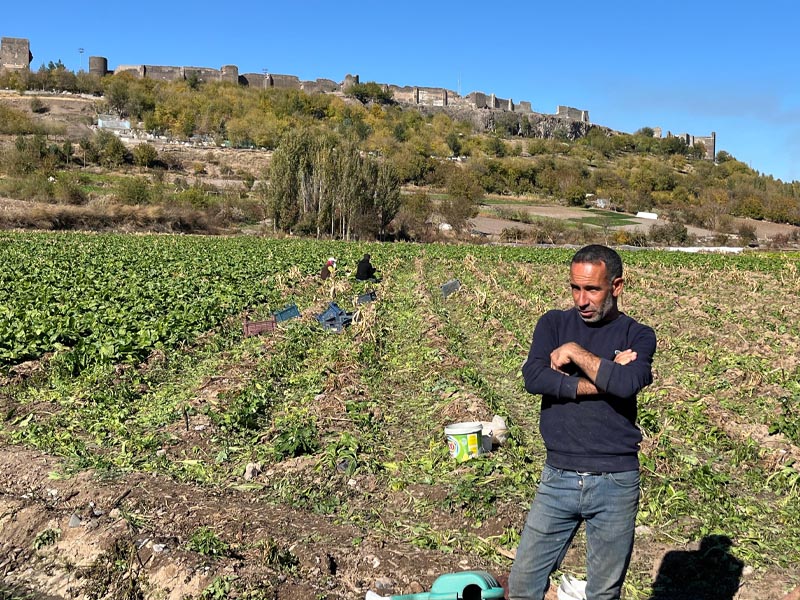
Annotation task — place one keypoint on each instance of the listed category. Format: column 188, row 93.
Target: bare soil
column 95, row 521
column 126, row 538
column 765, row 230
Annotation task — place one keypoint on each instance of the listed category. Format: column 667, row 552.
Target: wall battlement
column 573, row 114
column 413, row 95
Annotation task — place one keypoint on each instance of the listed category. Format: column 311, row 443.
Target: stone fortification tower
column 350, row 80
column 15, row 54
column 229, row 73
column 98, row 65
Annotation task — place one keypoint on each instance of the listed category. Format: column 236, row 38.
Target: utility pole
column 80, row 51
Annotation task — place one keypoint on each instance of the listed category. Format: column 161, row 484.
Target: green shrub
column 369, row 92
column 13, row 122
column 48, row 537
column 195, row 196
column 669, row 233
column 34, row 187
column 134, row 190
column 248, row 178
column 747, row 233
column 145, row 155
column 68, row 190
column 37, row 106
column 111, row 151
column 298, row 435
column 494, row 146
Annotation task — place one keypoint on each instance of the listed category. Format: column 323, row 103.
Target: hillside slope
column 230, row 171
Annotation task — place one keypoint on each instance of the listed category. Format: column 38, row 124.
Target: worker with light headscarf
column 329, row 268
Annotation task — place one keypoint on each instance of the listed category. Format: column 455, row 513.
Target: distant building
column 602, row 203
column 593, row 200
column 112, row 122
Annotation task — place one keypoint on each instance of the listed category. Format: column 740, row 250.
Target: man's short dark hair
column 596, row 253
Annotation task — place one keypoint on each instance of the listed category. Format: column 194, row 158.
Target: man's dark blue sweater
column 597, row 432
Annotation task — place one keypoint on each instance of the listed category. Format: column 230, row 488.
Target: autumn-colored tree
column 323, row 184
column 144, row 155
column 386, row 196
column 369, row 92
column 414, row 215
column 463, row 195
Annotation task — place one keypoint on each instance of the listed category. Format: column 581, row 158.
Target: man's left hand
column 624, row 357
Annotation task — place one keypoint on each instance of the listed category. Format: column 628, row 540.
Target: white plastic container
column 464, row 440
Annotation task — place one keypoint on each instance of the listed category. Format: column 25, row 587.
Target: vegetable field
column 149, row 450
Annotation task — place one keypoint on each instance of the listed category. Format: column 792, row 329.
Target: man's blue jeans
column 606, row 502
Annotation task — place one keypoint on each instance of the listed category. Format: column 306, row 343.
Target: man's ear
column 616, row 287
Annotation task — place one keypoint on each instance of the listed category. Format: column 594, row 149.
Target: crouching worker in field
column 328, row 269
column 365, row 271
column 588, row 363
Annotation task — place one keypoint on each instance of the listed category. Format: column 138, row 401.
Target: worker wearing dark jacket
column 364, row 270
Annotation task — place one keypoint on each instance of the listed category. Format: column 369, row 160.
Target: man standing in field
column 588, row 363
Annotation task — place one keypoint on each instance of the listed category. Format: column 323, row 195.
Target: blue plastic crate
column 330, row 313
column 367, row 297
column 449, row 287
column 289, row 312
column 334, row 318
column 338, row 323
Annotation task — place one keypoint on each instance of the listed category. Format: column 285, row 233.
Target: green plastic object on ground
column 465, row 585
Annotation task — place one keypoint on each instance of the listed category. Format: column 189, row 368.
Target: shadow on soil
column 8, row 592
column 708, row 573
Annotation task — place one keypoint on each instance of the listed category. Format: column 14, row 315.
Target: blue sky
column 727, row 66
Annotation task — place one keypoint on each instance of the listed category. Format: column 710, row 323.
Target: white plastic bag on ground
column 495, row 429
column 571, row 588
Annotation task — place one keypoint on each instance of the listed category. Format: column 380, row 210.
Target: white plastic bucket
column 464, row 440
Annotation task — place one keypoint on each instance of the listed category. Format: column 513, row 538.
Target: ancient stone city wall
column 15, row 54
column 709, row 141
column 573, row 114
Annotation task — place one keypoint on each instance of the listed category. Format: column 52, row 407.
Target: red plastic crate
column 252, row 328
